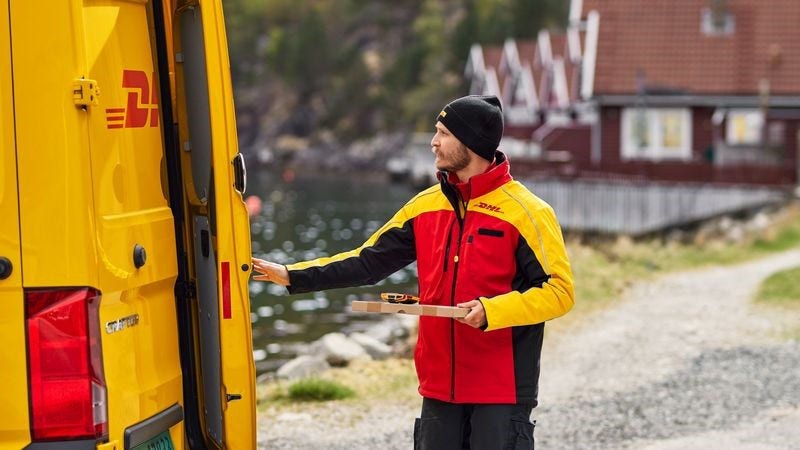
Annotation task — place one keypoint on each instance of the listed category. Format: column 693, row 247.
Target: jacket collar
column 495, row 176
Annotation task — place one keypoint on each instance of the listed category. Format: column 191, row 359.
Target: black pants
column 451, row 426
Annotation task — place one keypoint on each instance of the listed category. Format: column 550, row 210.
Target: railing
column 639, row 208
column 750, row 155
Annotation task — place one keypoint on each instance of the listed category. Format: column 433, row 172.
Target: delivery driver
column 481, row 241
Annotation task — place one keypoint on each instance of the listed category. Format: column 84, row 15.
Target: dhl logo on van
column 142, row 103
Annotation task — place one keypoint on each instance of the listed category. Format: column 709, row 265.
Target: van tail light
column 65, row 360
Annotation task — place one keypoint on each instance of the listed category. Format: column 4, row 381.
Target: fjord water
column 309, row 216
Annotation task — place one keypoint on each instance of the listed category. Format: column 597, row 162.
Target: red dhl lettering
column 142, row 102
column 484, row 205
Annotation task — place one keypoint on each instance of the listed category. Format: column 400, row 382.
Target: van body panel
column 52, row 138
column 14, row 428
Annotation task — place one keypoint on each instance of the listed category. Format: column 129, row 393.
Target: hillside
column 317, row 74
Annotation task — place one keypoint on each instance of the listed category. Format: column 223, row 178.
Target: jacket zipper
column 447, row 247
column 453, row 325
column 453, row 297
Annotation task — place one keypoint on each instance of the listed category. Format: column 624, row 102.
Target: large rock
column 374, row 348
column 302, row 366
column 390, row 329
column 338, row 350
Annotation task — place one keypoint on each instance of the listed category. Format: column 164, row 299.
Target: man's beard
column 458, row 160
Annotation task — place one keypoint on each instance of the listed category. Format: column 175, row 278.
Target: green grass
column 786, row 238
column 393, row 380
column 782, row 288
column 318, row 389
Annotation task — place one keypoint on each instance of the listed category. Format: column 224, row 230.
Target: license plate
column 161, row 442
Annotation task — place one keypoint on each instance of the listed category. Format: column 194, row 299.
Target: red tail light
column 68, row 388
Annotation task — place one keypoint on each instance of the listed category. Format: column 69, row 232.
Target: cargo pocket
column 428, row 434
column 520, row 435
column 419, row 433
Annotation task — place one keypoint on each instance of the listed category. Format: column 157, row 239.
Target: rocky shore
column 391, row 337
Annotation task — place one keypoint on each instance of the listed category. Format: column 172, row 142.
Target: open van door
column 216, row 213
column 14, row 399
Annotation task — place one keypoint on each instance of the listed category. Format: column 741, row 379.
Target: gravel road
column 686, row 361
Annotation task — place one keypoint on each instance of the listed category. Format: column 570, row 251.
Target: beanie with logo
column 477, row 121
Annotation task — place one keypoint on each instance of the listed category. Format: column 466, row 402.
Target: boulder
column 374, row 348
column 302, row 366
column 338, row 350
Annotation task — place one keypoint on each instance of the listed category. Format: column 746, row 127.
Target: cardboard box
column 414, row 309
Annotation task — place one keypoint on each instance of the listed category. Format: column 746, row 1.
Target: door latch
column 85, row 92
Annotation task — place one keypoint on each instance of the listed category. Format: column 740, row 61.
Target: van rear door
column 14, row 428
column 135, row 235
column 221, row 237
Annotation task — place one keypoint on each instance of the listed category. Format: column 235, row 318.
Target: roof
column 659, row 45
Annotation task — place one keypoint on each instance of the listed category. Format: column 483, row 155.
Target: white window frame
column 653, row 150
column 753, row 121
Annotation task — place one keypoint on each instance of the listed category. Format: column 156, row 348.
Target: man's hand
column 270, row 271
column 477, row 315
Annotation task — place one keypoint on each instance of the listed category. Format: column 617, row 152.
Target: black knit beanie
column 477, row 121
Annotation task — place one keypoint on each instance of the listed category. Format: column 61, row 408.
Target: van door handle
column 239, row 173
column 5, row 268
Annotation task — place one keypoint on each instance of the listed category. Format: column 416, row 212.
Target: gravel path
column 682, row 362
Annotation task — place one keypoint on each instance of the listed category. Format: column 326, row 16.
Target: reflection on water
column 308, row 218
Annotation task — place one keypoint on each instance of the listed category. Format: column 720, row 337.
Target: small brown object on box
column 416, row 309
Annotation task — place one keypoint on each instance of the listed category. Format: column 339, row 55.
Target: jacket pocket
column 491, row 232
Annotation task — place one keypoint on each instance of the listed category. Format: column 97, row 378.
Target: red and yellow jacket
column 489, row 239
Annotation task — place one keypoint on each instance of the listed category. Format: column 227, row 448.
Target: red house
column 670, row 90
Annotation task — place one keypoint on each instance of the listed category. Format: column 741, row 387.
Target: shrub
column 317, row 389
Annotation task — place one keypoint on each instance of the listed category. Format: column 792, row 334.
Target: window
column 656, row 133
column 717, row 21
column 744, row 127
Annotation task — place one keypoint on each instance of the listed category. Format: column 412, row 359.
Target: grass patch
column 781, row 288
column 318, row 389
column 393, row 380
column 785, row 238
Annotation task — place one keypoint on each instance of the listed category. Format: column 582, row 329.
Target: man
column 481, row 241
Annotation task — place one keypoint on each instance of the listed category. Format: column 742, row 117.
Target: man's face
column 451, row 154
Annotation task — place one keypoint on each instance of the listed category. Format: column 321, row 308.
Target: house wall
column 702, row 134
column 566, row 153
column 611, row 139
column 574, row 141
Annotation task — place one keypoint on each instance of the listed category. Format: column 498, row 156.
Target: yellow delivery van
column 124, row 240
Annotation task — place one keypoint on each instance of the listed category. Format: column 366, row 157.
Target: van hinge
column 85, row 92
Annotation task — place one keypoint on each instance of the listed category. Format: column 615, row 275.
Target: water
column 307, row 218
